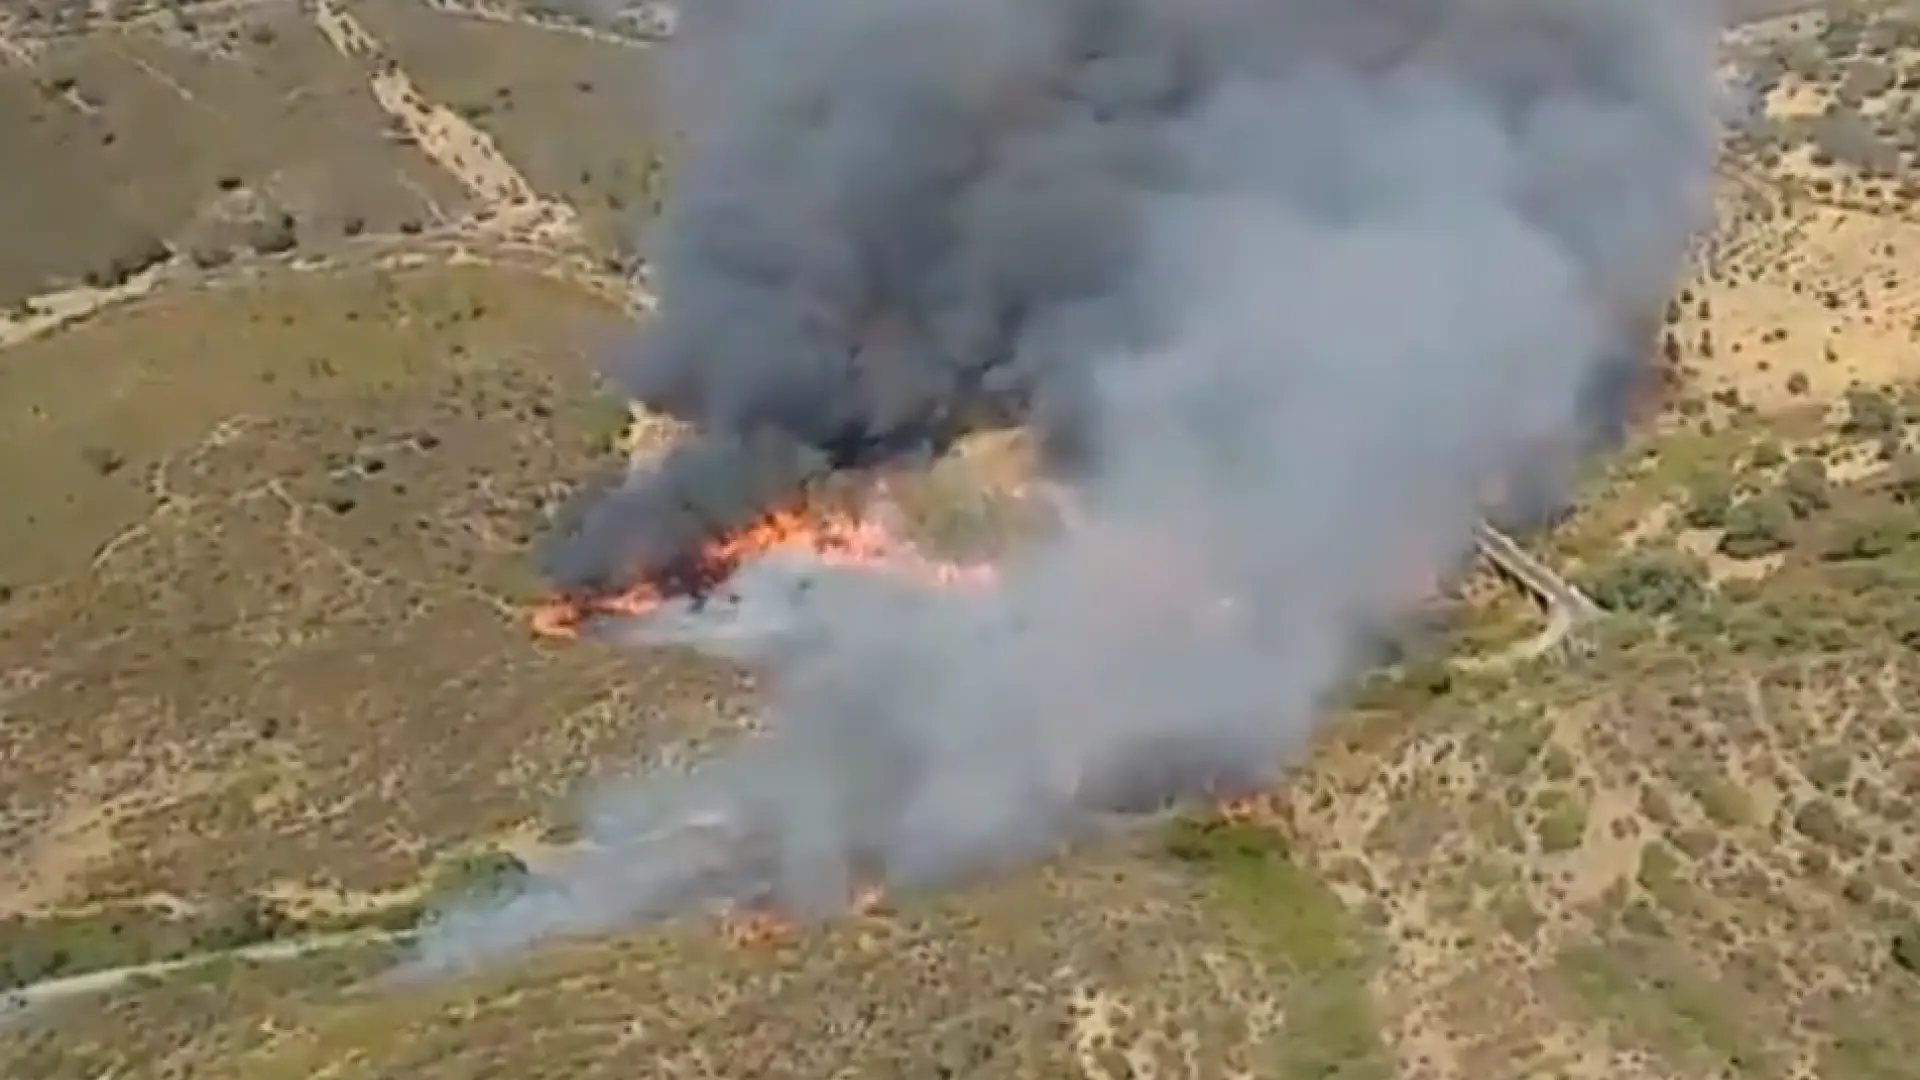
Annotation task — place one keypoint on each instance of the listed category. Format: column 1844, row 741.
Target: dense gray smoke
column 1285, row 286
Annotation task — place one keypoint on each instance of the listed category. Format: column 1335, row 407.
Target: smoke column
column 1287, row 283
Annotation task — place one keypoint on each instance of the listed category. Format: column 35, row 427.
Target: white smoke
column 1303, row 277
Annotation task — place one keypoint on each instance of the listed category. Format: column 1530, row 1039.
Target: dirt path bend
column 1567, row 607
column 453, row 245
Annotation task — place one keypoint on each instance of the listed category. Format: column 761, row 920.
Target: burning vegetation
column 1276, row 286
column 833, row 539
column 870, row 540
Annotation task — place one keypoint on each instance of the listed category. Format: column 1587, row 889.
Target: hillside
column 304, row 303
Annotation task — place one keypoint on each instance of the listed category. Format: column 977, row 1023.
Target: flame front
column 837, row 540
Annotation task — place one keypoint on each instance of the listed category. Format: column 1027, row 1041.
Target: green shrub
column 1709, row 498
column 1870, row 413
column 1648, row 583
column 1757, row 527
column 1805, row 487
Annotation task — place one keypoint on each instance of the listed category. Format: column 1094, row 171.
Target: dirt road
column 65, row 988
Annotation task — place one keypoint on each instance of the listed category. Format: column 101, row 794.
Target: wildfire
column 849, row 540
column 763, row 927
column 835, row 540
column 1250, row 808
column 757, row 929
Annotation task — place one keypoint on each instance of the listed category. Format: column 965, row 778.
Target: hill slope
column 264, row 672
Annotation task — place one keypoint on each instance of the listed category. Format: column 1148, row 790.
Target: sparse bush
column 50, row 947
column 1708, row 500
column 1842, row 36
column 1662, row 875
column 1906, row 948
column 1821, row 823
column 479, row 877
column 241, row 921
column 103, row 460
column 273, row 234
column 1903, row 481
column 1865, row 79
column 1903, row 625
column 1870, row 412
column 1563, row 823
column 1805, row 487
column 1871, row 536
column 1757, row 527
column 1648, row 583
column 1221, row 843
column 136, row 255
column 210, row 255
column 1830, row 770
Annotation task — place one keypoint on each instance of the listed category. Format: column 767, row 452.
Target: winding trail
column 1566, row 606
column 453, row 245
column 509, row 212
column 68, row 987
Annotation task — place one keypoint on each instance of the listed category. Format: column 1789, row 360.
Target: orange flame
column 839, row 540
column 757, row 929
column 1241, row 809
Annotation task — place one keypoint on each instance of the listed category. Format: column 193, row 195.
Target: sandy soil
column 1823, row 298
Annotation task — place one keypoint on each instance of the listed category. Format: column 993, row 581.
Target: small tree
column 479, row 877
column 1708, row 500
column 1906, row 948
column 1871, row 536
column 1757, row 527
column 1870, row 412
column 1649, row 583
column 240, row 921
column 273, row 234
column 1904, row 479
column 1805, row 486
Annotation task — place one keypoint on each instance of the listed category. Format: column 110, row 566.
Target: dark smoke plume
column 1286, row 284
